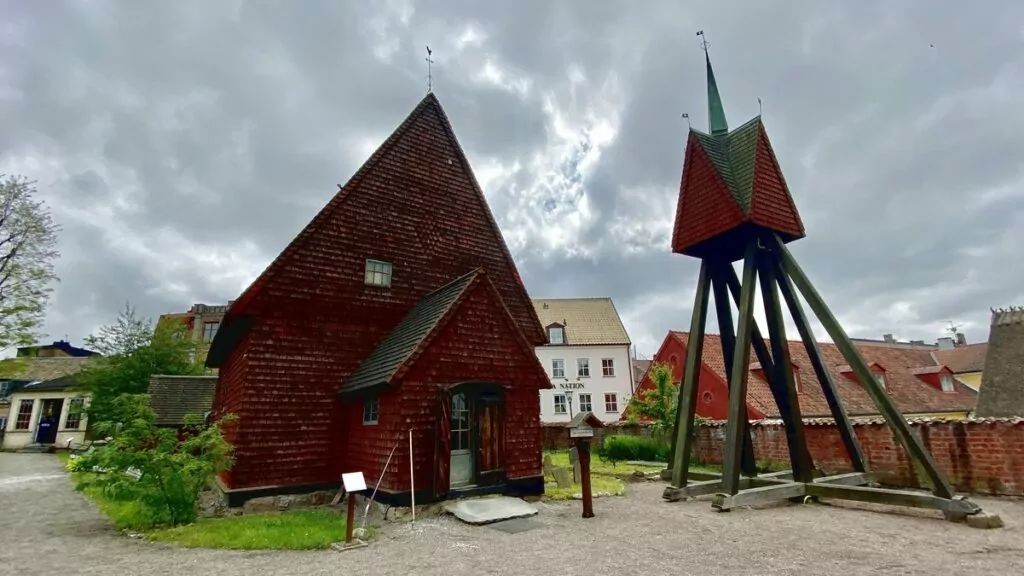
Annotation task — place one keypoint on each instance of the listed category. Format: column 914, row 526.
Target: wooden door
column 490, row 445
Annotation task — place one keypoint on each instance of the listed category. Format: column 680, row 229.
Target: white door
column 462, row 454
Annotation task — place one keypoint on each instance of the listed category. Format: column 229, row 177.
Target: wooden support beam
column 782, row 371
column 692, row 476
column 694, row 489
column 828, row 385
column 898, row 424
column 723, row 307
column 738, row 374
column 956, row 506
column 760, row 495
column 849, row 479
column 682, row 442
column 757, row 339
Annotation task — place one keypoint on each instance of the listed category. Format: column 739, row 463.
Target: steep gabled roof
column 587, row 321
column 405, row 342
column 174, row 397
column 430, row 122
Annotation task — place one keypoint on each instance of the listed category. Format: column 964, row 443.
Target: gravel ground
column 47, row 528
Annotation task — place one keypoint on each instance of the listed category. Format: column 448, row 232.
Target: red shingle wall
column 981, row 457
column 370, row 444
column 477, row 344
column 771, row 205
column 705, row 207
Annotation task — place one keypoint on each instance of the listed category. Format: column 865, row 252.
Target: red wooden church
column 397, row 308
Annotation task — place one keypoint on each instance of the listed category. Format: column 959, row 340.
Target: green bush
column 623, row 448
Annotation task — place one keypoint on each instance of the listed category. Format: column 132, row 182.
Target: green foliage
column 292, row 530
column 622, row 448
column 133, row 352
column 28, row 247
column 659, row 404
column 153, row 476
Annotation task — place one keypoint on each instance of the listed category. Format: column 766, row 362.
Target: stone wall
column 980, row 456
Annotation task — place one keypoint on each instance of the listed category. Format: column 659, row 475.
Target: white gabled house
column 46, row 413
column 587, row 358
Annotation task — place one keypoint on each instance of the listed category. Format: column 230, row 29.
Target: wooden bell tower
column 734, row 204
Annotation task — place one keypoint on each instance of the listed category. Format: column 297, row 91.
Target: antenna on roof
column 430, row 76
column 687, row 116
column 758, row 105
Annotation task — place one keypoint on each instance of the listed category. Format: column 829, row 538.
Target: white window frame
column 796, row 381
column 371, row 411
column 880, row 378
column 18, row 412
column 208, row 334
column 946, row 383
column 561, row 335
column 608, row 367
column 70, row 414
column 378, row 273
column 563, row 404
column 614, row 402
column 583, row 367
column 586, row 402
column 558, row 367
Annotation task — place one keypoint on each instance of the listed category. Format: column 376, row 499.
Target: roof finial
column 430, row 77
column 716, row 112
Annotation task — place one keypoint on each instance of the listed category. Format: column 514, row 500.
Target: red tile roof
column 968, row 358
column 911, row 394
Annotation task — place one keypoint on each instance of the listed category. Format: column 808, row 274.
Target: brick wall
column 984, row 456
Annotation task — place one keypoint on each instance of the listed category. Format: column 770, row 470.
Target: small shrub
column 623, row 448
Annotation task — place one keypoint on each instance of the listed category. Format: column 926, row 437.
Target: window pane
column 24, row 415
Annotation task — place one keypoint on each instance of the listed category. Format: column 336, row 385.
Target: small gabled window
column 371, row 411
column 378, row 273
column 880, row 378
column 556, row 335
column 947, row 383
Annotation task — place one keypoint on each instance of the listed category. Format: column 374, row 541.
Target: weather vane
column 430, row 77
column 687, row 116
column 704, row 44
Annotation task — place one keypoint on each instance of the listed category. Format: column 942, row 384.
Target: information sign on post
column 353, row 482
column 581, row 427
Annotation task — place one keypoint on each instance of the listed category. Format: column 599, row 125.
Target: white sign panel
column 581, row 432
column 353, row 482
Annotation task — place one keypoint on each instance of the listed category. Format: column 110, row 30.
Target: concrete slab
column 515, row 526
column 488, row 510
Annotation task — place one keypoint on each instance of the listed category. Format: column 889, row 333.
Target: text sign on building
column 582, row 432
column 571, row 385
column 354, row 482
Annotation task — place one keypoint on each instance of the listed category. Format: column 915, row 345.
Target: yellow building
column 967, row 361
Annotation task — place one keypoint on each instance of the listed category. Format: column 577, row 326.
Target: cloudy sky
column 182, row 145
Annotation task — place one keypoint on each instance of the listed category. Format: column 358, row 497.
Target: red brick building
column 909, row 372
column 397, row 308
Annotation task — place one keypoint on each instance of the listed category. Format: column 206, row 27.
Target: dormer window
column 378, row 273
column 947, row 383
column 880, row 378
column 556, row 335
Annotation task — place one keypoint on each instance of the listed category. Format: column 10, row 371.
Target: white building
column 587, row 358
column 46, row 413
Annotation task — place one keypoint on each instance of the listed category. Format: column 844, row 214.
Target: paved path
column 47, row 528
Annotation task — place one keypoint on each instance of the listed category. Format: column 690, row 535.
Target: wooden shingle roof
column 174, row 397
column 587, row 321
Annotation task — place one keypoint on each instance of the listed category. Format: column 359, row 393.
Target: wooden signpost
column 582, row 429
column 352, row 482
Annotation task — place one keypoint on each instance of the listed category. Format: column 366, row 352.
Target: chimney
column 945, row 343
column 888, row 338
column 545, row 305
column 961, row 340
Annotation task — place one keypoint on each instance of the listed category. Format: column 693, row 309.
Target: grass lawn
column 598, row 484
column 301, row 529
column 601, row 467
column 309, row 529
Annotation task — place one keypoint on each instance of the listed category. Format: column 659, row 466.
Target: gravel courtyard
column 47, row 528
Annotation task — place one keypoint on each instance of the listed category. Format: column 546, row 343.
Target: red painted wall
column 477, row 344
column 712, row 390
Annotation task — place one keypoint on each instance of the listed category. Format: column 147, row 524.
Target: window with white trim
column 558, row 368
column 607, row 366
column 371, row 410
column 880, row 378
column 611, row 402
column 378, row 273
column 583, row 367
column 560, row 405
column 24, row 415
column 74, row 418
column 585, row 404
column 556, row 335
column 947, row 383
column 796, row 380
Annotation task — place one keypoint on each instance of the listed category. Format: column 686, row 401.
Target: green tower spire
column 716, row 112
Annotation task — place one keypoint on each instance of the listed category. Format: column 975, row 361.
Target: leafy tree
column 162, row 474
column 28, row 247
column 134, row 351
column 658, row 405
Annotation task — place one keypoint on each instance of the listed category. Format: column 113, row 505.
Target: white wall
column 597, row 384
column 15, row 439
